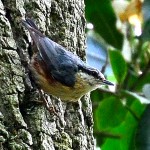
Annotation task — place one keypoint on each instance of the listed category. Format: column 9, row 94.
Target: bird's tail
column 30, row 22
column 33, row 29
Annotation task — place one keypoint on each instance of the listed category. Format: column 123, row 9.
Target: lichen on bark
column 25, row 123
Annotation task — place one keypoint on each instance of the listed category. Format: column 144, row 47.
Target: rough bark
column 25, row 123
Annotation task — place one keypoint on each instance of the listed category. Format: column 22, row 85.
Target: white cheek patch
column 89, row 79
column 102, row 76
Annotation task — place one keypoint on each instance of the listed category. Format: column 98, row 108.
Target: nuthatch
column 60, row 72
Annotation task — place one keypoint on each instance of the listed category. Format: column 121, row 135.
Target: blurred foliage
column 101, row 14
column 121, row 115
column 117, row 61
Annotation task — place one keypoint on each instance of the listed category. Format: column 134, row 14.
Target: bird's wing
column 61, row 64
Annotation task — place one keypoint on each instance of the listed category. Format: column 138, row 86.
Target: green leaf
column 100, row 13
column 96, row 96
column 127, row 130
column 118, row 64
column 142, row 140
column 110, row 113
column 140, row 83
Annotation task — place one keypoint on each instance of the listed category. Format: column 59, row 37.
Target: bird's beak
column 107, row 82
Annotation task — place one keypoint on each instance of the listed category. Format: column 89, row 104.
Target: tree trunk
column 24, row 122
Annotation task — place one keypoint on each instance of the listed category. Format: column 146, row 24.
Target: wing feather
column 61, row 64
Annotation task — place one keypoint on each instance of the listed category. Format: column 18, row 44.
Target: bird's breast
column 83, row 83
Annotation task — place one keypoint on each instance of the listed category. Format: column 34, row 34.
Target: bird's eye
column 95, row 73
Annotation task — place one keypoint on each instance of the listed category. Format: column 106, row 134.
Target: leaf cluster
column 121, row 118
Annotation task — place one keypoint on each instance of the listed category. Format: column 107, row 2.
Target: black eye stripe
column 94, row 73
column 90, row 71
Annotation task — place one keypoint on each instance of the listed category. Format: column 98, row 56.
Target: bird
column 59, row 72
